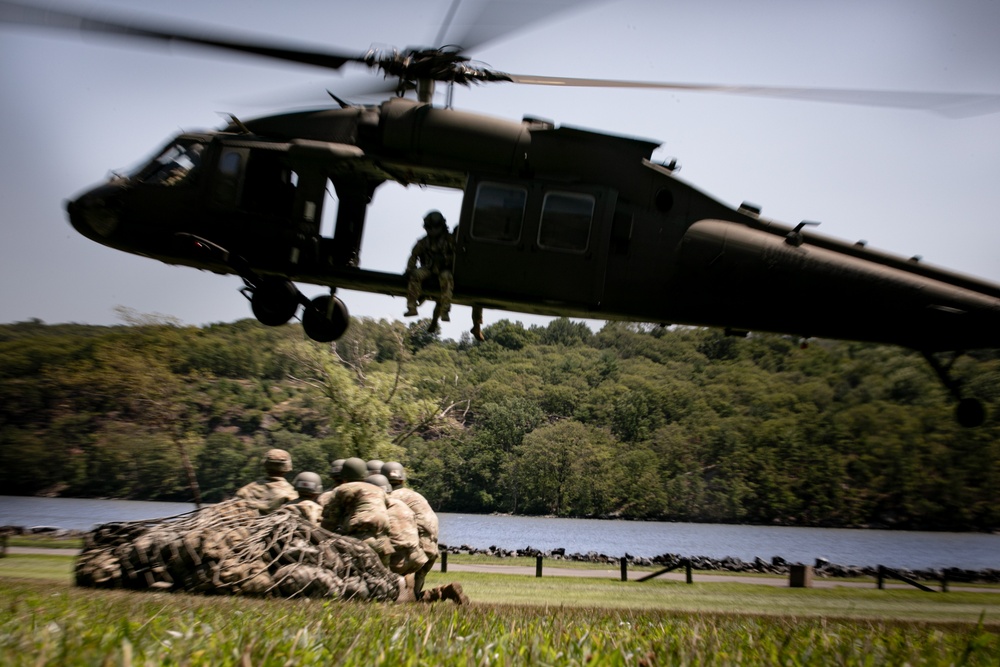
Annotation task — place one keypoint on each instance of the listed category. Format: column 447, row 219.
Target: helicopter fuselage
column 554, row 221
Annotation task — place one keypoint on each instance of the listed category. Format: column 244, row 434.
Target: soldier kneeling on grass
column 309, row 486
column 273, row 490
column 359, row 510
column 426, row 519
column 408, row 558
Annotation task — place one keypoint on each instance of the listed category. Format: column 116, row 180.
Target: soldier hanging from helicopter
column 433, row 255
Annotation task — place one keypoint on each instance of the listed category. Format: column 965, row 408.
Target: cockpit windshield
column 173, row 165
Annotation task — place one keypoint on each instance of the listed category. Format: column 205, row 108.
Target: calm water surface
column 615, row 538
column 81, row 513
column 908, row 549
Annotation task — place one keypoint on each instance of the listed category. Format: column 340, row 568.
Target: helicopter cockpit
column 172, row 165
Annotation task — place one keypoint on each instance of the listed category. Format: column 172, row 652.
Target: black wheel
column 325, row 319
column 274, row 301
column 970, row 413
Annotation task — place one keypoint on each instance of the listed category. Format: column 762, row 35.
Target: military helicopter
column 554, row 220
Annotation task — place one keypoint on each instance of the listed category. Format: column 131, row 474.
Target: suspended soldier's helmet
column 354, row 470
column 394, row 472
column 309, row 482
column 380, row 481
column 375, row 467
column 433, row 219
column 336, row 468
column 278, row 460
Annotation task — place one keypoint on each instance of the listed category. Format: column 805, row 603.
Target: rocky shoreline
column 776, row 565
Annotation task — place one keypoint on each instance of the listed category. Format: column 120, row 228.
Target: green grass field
column 514, row 619
column 45, row 542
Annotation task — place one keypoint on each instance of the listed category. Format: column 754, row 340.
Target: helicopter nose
column 94, row 214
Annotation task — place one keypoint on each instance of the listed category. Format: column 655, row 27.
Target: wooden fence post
column 538, row 566
column 624, row 565
column 800, row 576
column 444, row 561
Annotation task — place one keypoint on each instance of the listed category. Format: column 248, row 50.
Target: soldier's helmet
column 278, row 460
column 380, row 481
column 433, row 219
column 394, row 472
column 375, row 467
column 355, row 470
column 309, row 482
column 336, row 468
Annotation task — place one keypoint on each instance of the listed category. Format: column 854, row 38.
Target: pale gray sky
column 908, row 182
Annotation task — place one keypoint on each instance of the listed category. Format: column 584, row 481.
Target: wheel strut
column 274, row 300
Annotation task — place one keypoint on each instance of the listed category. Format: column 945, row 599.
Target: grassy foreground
column 44, row 620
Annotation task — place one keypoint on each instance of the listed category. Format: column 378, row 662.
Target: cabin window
column 229, row 179
column 499, row 213
column 566, row 220
column 178, row 161
column 229, row 164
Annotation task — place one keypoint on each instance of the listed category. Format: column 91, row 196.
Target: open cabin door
column 268, row 200
column 529, row 240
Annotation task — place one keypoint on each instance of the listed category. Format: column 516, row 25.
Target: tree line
column 634, row 421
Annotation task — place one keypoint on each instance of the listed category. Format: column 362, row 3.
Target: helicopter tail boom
column 769, row 282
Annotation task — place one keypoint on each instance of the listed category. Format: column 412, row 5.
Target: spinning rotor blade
column 955, row 105
column 58, row 19
column 489, row 20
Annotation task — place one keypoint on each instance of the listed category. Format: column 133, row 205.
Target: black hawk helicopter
column 554, row 221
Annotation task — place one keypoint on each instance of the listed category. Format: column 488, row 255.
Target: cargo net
column 231, row 549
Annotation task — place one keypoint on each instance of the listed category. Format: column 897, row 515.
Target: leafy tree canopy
column 633, row 421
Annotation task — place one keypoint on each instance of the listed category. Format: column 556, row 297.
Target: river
column 903, row 549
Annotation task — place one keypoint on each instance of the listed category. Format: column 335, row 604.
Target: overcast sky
column 909, row 182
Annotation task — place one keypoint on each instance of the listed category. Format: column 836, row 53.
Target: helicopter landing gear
column 969, row 412
column 274, row 301
column 325, row 319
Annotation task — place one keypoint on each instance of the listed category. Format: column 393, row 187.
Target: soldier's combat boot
column 454, row 593
column 430, row 594
column 451, row 592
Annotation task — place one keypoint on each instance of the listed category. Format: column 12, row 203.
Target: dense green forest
column 634, row 421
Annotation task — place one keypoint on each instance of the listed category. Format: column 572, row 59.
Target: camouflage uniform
column 408, row 557
column 309, row 510
column 268, row 493
column 360, row 510
column 433, row 255
column 427, row 529
column 336, row 473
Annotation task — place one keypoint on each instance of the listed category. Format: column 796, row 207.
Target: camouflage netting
column 231, row 549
